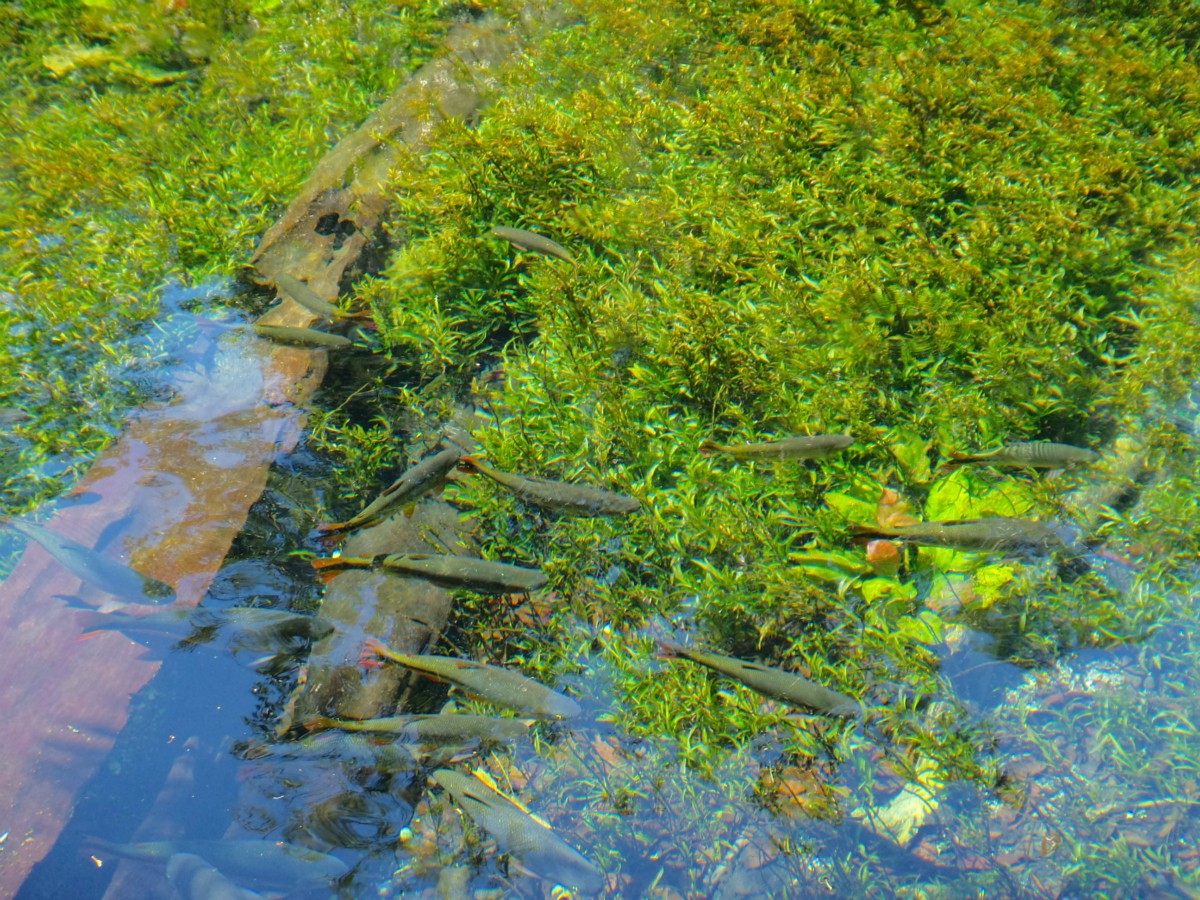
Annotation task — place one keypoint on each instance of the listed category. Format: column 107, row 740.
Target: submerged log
column 405, row 612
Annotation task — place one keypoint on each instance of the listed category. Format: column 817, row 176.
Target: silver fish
column 307, row 297
column 560, row 496
column 434, row 729
column 484, row 576
column 515, row 831
column 302, row 337
column 491, row 683
column 817, row 446
column 427, row 475
column 528, row 240
column 195, row 879
column 265, row 865
column 94, row 568
column 1032, row 454
column 771, row 682
column 994, row 534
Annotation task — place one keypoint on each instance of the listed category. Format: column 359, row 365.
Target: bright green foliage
column 933, row 226
column 115, row 179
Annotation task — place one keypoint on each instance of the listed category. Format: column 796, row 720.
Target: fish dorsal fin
column 484, row 776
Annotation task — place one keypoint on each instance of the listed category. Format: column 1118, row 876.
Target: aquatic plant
column 934, row 228
column 119, row 181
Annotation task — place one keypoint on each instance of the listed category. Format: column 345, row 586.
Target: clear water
column 1097, row 748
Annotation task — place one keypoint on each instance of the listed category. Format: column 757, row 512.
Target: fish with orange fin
column 517, row 831
column 559, row 496
column 492, row 683
column 427, row 475
column 484, row 576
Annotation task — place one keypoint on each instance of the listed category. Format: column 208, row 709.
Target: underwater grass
column 146, row 143
column 933, row 227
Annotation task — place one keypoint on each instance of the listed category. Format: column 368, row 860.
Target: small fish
column 1031, row 454
column 519, row 833
column 817, row 446
column 195, row 879
column 388, row 756
column 483, row 576
column 246, row 627
column 94, row 568
column 995, row 534
column 436, row 729
column 307, row 297
column 770, row 682
column 302, row 337
column 427, row 475
column 527, row 240
column 492, row 683
column 572, row 499
column 265, row 865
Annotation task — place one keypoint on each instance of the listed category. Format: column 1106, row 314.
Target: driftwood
column 405, row 612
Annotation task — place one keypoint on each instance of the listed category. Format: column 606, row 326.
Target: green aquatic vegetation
column 936, row 233
column 117, row 181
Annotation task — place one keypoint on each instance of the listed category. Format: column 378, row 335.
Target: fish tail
column 375, row 653
column 332, row 529
column 328, row 562
column 329, row 567
column 469, row 463
column 98, row 843
column 95, row 623
column 956, row 459
column 668, row 650
column 863, row 534
column 709, row 448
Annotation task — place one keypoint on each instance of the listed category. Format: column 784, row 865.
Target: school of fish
column 413, row 743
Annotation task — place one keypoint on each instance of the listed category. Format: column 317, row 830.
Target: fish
column 307, row 297
column 998, row 533
column 247, row 627
column 427, row 475
column 265, row 865
column 435, row 729
column 94, row 568
column 559, row 496
column 195, row 879
column 302, row 337
column 528, row 240
column 483, row 576
column 492, row 683
column 817, row 446
column 787, row 687
column 520, row 834
column 387, row 755
column 1031, row 454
